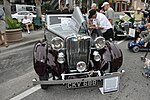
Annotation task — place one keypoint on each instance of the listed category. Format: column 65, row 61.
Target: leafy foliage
column 12, row 23
column 1, row 1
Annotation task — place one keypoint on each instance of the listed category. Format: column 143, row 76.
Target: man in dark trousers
column 103, row 24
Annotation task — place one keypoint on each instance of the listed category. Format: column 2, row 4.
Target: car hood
column 62, row 31
column 70, row 26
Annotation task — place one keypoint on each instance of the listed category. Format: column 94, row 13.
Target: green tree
column 1, row 1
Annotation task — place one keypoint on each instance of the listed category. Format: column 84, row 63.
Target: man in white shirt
column 27, row 23
column 103, row 24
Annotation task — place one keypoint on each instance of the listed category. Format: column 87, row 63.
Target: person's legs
column 3, row 31
column 147, row 73
column 1, row 42
column 4, row 40
column 27, row 26
column 109, row 34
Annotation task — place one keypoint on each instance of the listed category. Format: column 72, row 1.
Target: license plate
column 81, row 84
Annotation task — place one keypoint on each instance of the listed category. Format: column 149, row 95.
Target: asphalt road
column 133, row 86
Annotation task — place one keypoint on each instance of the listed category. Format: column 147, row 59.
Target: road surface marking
column 26, row 93
column 120, row 42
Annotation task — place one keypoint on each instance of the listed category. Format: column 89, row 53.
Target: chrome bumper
column 56, row 82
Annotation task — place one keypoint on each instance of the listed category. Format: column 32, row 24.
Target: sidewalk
column 28, row 39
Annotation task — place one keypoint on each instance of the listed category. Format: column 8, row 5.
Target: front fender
column 39, row 57
column 116, row 56
column 105, row 58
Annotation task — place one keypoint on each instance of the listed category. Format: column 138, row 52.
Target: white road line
column 26, row 93
column 120, row 42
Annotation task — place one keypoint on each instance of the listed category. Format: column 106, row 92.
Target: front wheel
column 135, row 49
column 45, row 77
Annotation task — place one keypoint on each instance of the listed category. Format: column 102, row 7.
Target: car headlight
column 57, row 43
column 61, row 58
column 81, row 66
column 97, row 56
column 99, row 42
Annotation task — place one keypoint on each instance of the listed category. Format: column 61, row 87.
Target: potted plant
column 14, row 31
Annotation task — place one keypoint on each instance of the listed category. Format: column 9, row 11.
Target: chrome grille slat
column 77, row 50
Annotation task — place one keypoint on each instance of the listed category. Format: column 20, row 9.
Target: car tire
column 45, row 77
column 135, row 49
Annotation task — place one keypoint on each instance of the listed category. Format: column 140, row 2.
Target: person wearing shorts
column 3, row 28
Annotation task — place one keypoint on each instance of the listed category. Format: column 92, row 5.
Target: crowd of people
column 102, row 20
column 95, row 14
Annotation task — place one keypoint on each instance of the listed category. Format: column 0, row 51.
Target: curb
column 19, row 45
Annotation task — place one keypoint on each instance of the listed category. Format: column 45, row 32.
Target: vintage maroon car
column 68, row 52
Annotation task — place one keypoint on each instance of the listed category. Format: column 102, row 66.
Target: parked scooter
column 141, row 42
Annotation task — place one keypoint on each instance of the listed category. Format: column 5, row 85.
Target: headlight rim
column 104, row 44
column 62, row 43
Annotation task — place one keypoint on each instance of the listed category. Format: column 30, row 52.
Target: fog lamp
column 81, row 66
column 61, row 58
column 97, row 56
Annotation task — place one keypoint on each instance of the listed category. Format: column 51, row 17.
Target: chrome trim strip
column 71, row 74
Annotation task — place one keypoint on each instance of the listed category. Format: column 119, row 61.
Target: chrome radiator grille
column 77, row 49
